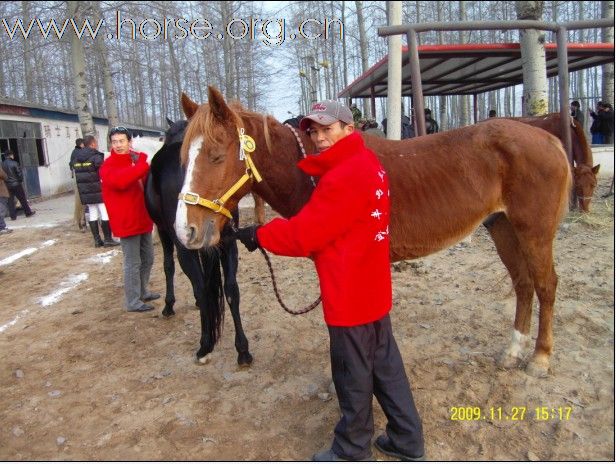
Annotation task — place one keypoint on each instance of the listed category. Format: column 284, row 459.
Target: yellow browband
column 217, row 205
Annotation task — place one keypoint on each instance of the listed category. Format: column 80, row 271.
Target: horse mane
column 583, row 142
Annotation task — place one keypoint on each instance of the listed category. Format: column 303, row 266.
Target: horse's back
column 444, row 185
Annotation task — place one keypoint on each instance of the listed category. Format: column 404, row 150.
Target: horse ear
column 218, row 106
column 189, row 106
column 169, row 121
column 595, row 169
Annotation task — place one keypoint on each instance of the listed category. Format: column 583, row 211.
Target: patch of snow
column 65, row 287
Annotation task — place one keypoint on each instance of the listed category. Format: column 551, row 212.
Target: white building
column 43, row 138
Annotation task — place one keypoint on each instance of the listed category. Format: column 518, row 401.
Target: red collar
column 317, row 165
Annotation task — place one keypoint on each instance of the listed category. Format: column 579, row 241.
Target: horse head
column 219, row 170
column 585, row 181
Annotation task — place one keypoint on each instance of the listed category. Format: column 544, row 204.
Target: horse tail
column 563, row 206
column 213, row 311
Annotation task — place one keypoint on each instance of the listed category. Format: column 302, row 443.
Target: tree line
column 136, row 77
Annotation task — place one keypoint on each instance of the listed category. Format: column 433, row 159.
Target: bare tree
column 607, row 35
column 79, row 75
column 533, row 60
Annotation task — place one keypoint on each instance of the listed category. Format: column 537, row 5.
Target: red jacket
column 122, row 184
column 344, row 228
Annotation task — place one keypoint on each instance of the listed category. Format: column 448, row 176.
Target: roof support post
column 372, row 103
column 418, row 103
column 475, row 116
column 563, row 90
column 394, row 70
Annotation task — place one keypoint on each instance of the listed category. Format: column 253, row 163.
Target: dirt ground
column 81, row 379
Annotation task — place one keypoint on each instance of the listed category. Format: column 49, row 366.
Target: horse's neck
column 285, row 187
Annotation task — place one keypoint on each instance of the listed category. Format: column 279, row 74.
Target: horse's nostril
column 192, row 232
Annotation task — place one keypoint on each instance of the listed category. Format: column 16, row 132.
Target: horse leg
column 538, row 251
column 205, row 286
column 229, row 260
column 259, row 209
column 169, row 267
column 508, row 249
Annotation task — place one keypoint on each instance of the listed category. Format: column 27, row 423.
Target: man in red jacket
column 344, row 228
column 122, row 179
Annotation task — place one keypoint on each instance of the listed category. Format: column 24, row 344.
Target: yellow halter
column 247, row 146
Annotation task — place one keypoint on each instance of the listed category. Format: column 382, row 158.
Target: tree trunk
column 363, row 47
column 464, row 106
column 607, row 35
column 533, row 60
column 79, row 76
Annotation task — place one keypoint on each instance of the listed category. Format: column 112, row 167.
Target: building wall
column 59, row 140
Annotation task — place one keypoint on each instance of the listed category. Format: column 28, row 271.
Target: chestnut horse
column 584, row 173
column 202, row 267
column 512, row 177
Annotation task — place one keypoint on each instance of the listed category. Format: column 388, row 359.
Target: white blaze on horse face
column 518, row 344
column 181, row 215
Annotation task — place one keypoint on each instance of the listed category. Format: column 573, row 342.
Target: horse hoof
column 538, row 367
column 168, row 314
column 204, row 360
column 244, row 359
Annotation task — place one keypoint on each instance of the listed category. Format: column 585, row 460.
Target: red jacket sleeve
column 124, row 177
column 333, row 209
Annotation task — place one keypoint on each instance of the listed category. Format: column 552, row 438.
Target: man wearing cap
column 122, row 178
column 344, row 229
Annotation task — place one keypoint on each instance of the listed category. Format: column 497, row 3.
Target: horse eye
column 217, row 158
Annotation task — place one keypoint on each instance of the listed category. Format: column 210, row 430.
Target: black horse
column 202, row 267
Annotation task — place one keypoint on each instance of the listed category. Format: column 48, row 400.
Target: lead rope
column 290, row 311
column 301, row 147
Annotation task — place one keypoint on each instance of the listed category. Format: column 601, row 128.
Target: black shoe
column 384, row 445
column 110, row 243
column 151, row 296
column 330, row 456
column 32, row 213
column 98, row 243
column 141, row 309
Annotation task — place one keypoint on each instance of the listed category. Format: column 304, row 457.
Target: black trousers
column 21, row 196
column 365, row 361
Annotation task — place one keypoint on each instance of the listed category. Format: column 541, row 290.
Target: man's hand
column 248, row 236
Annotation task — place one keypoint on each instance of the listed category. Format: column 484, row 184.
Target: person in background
column 431, row 124
column 356, row 114
column 350, row 249
column 122, row 178
column 576, row 113
column 78, row 211
column 607, row 125
column 4, row 203
column 14, row 184
column 596, row 128
column 86, row 165
column 492, row 114
column 372, row 127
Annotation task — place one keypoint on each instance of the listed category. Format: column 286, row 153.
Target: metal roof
column 473, row 68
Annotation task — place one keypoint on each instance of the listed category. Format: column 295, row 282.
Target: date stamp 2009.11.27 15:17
column 513, row 413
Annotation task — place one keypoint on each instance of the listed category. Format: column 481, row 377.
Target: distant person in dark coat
column 596, row 128
column 14, row 184
column 431, row 124
column 4, row 203
column 78, row 146
column 86, row 164
column 576, row 113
